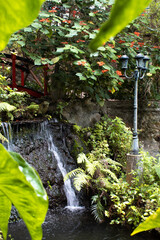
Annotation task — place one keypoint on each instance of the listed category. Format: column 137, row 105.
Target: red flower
column 132, row 44
column 113, row 61
column 82, row 23
column 74, row 13
column 95, row 12
column 111, row 45
column 121, row 41
column 105, row 70
column 100, row 63
column 140, row 44
column 64, row 42
column 119, row 73
column 137, row 33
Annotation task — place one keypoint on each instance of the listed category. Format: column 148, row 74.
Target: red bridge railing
column 17, row 62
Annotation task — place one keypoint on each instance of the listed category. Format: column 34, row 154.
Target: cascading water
column 43, row 131
column 7, row 132
column 72, row 200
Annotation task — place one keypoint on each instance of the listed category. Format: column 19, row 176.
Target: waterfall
column 7, row 133
column 44, row 131
column 72, row 200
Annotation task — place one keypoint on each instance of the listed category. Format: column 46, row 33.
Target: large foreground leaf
column 123, row 12
column 151, row 222
column 5, row 210
column 20, row 183
column 16, row 15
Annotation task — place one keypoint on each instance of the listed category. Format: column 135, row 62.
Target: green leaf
column 55, row 60
column 4, row 106
column 123, row 12
column 36, row 25
column 37, row 61
column 151, row 222
column 20, row 15
column 22, row 186
column 5, row 210
column 28, row 29
column 80, row 75
column 21, row 43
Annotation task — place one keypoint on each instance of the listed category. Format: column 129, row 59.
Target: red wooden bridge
column 23, row 65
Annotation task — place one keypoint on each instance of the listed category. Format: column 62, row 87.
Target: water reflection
column 78, row 225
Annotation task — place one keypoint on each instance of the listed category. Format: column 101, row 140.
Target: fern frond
column 111, row 174
column 73, row 173
column 98, row 211
column 80, row 180
column 91, row 167
column 104, row 183
column 112, row 162
column 4, row 106
column 81, row 158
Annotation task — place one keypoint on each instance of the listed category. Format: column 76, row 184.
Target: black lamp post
column 139, row 73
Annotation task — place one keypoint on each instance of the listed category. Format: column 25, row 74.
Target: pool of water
column 63, row 224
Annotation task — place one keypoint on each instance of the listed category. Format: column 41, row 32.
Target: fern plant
column 97, row 173
column 6, row 111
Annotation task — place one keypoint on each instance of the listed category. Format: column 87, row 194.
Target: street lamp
column 139, row 73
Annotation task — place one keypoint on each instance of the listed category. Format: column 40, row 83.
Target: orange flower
column 120, row 83
column 119, row 73
column 81, row 63
column 44, row 20
column 119, row 56
column 80, row 41
column 156, row 46
column 137, row 33
column 64, row 42
column 100, row 63
column 67, row 21
column 52, row 11
column 105, row 70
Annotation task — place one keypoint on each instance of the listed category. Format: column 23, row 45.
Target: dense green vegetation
column 59, row 37
column 102, row 173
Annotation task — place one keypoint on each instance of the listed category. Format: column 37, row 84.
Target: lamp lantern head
column 124, row 59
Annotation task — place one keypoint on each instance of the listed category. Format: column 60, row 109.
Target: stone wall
column 85, row 113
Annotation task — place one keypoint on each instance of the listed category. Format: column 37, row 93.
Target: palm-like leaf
column 81, row 158
column 4, row 106
column 80, row 180
column 73, row 173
